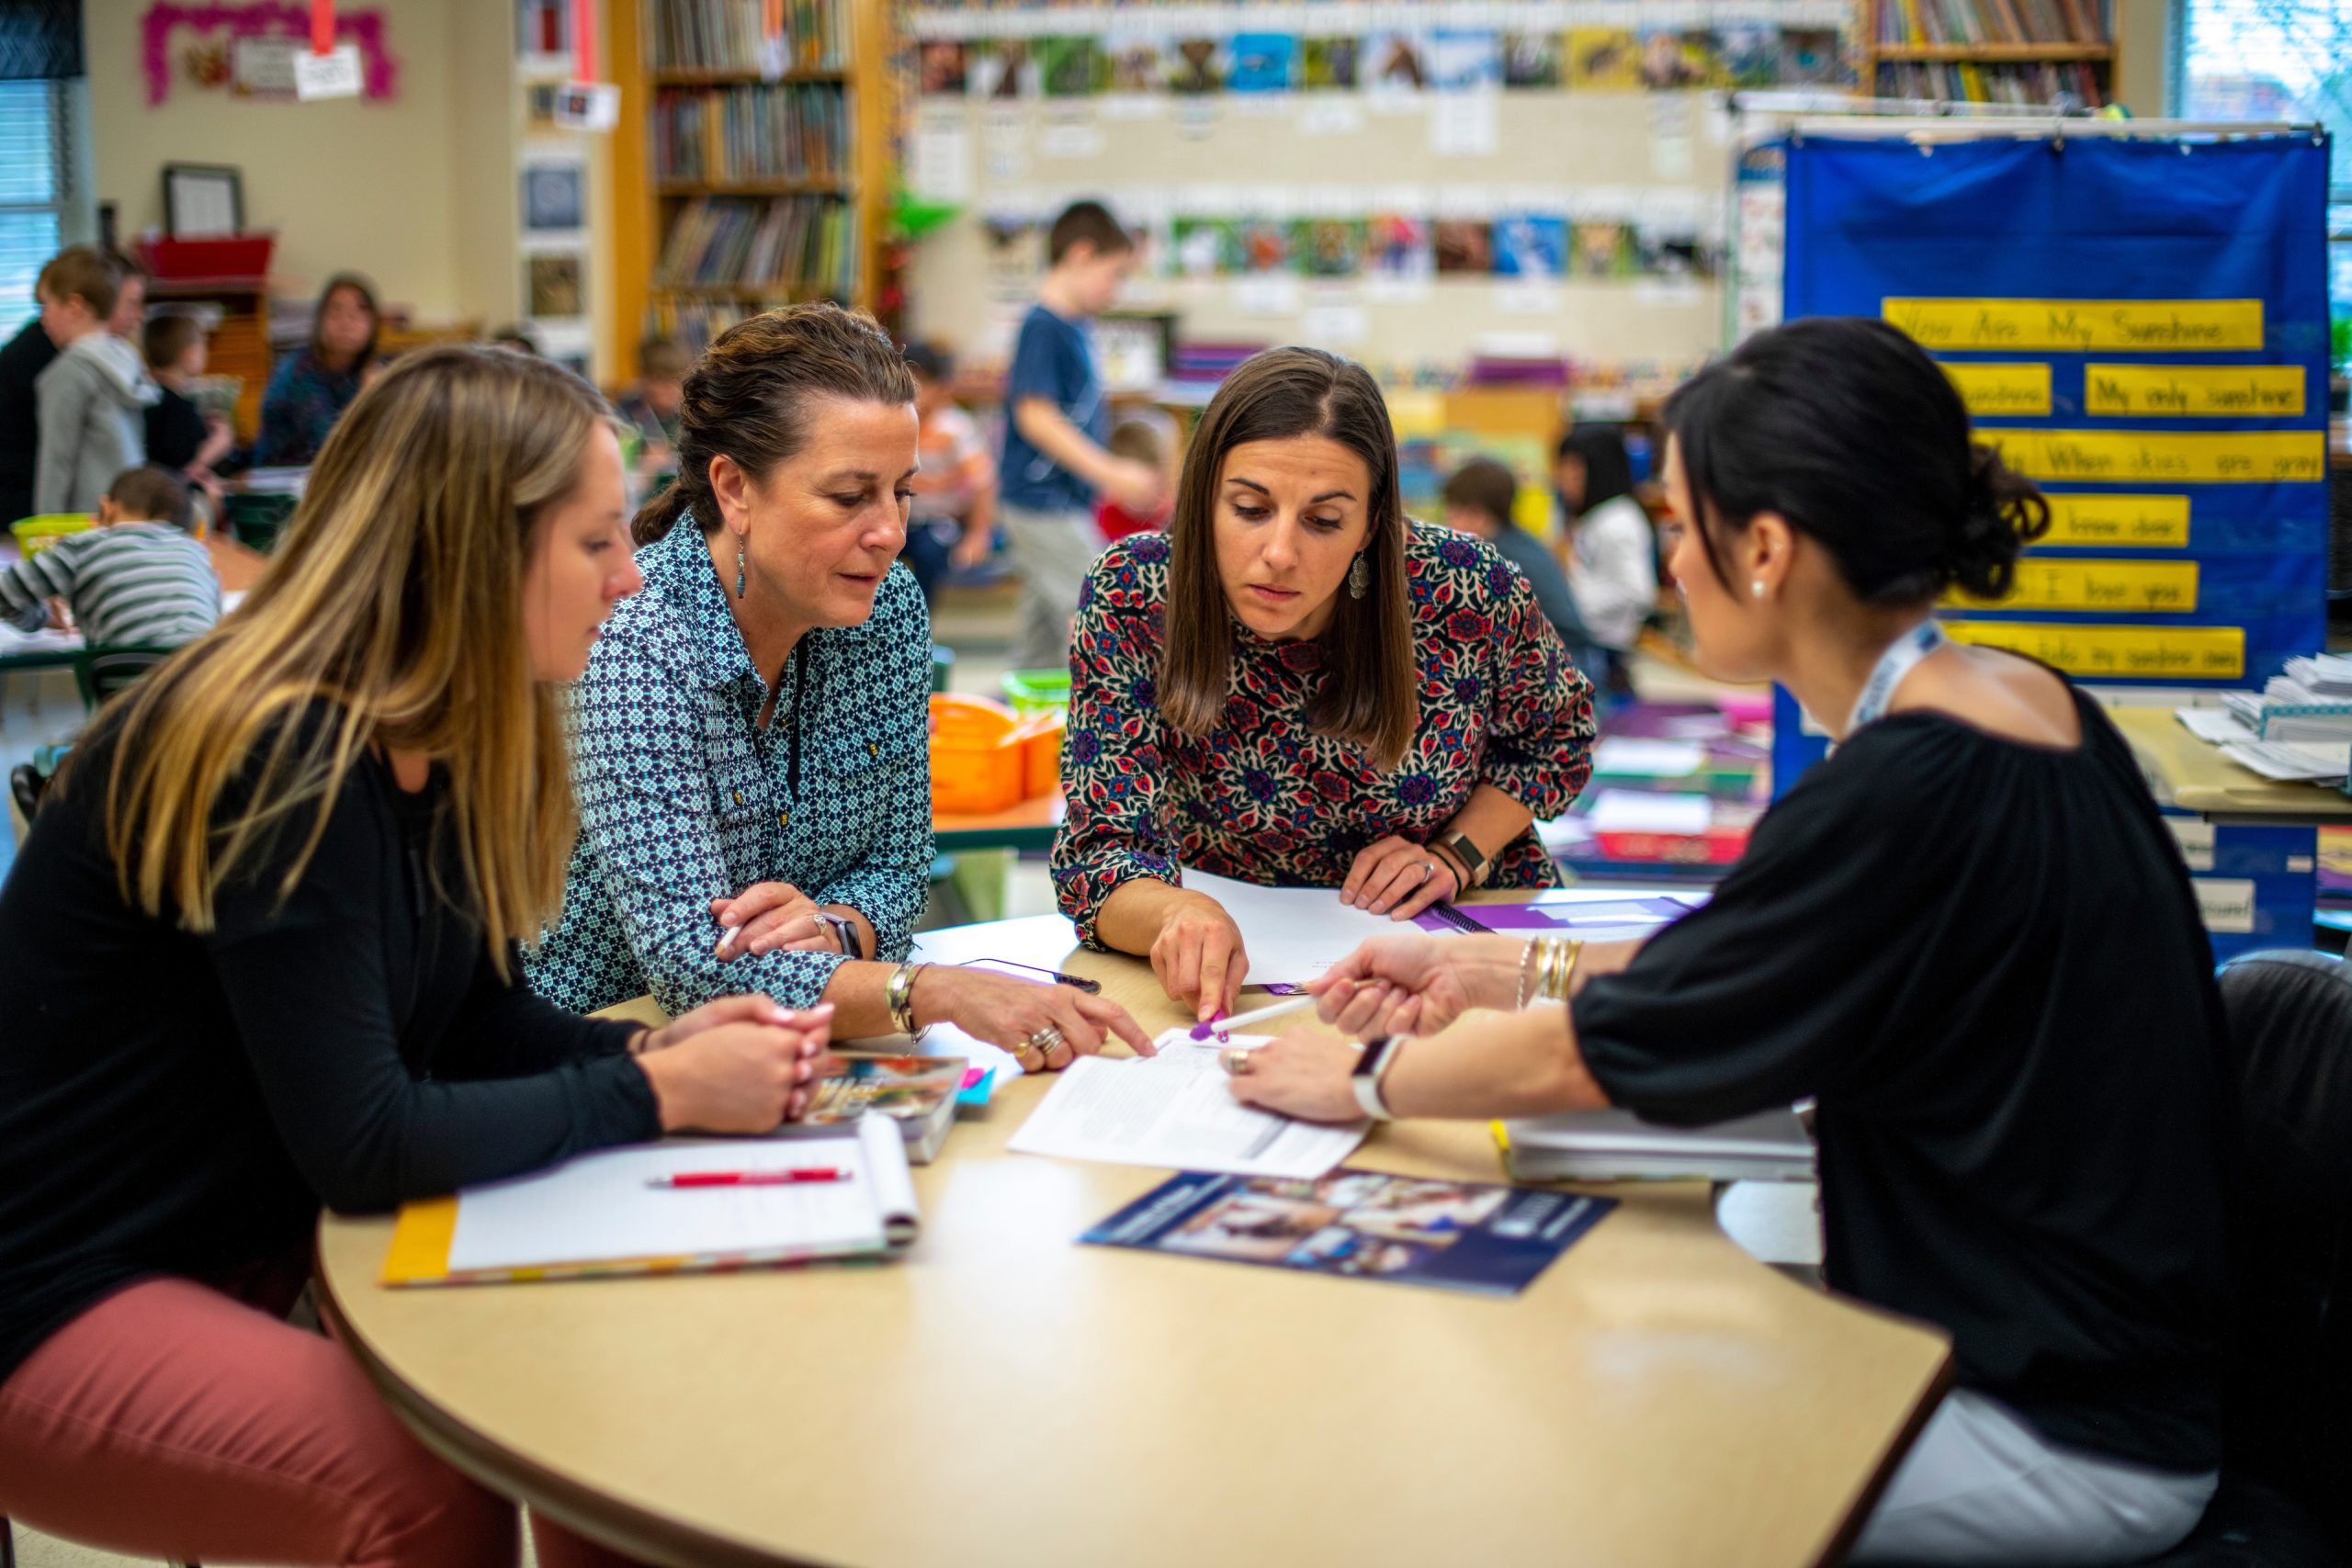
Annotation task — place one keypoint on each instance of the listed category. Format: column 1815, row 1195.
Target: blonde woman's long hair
column 397, row 596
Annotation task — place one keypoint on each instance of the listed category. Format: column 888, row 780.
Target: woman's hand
column 1398, row 878
column 1198, row 956
column 1416, row 985
column 1011, row 1014
column 739, row 1064
column 769, row 916
column 1303, row 1074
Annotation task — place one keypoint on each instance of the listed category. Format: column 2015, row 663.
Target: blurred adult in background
column 309, row 389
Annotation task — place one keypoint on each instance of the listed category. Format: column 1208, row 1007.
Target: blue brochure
column 1462, row 1235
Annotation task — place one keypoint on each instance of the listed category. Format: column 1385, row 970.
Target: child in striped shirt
column 137, row 579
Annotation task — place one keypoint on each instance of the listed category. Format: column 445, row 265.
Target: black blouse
column 173, row 1104
column 1986, row 961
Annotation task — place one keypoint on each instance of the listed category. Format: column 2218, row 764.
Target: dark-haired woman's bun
column 2003, row 511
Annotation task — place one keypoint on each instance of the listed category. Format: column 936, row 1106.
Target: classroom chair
column 102, row 671
column 2287, row 1434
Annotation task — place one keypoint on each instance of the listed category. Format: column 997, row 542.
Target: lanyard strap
column 1896, row 662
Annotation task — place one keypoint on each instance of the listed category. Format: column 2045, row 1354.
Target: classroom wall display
column 2138, row 325
column 239, row 47
column 1447, row 189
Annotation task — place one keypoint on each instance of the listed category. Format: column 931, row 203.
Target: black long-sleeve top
column 176, row 1103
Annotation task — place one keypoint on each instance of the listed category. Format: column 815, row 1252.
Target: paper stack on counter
column 1617, row 1145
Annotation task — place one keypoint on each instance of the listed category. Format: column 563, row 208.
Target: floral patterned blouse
column 1264, row 799
column 683, row 798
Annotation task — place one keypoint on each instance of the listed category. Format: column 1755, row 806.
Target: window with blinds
column 36, row 181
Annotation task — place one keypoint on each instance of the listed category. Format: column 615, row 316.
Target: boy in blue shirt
column 1057, row 421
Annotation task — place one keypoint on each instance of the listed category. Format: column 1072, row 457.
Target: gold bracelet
column 1566, row 972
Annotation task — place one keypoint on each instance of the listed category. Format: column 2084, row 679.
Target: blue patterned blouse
column 303, row 400
column 683, row 799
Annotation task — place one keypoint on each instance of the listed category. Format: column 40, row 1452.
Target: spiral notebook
column 599, row 1214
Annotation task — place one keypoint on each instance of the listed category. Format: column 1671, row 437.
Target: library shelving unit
column 737, row 188
column 1990, row 51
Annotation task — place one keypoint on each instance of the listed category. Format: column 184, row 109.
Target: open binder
column 599, row 1214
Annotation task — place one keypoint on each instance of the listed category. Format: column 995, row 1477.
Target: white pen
column 1223, row 1028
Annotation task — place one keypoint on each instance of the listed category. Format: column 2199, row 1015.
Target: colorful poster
column 1264, row 63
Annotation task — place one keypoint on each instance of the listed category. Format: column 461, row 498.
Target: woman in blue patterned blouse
column 1298, row 684
column 308, row 392
column 749, row 744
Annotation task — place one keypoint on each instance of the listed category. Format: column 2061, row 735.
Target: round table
column 1004, row 1396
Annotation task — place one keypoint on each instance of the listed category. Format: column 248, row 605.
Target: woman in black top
column 260, row 954
column 1967, row 935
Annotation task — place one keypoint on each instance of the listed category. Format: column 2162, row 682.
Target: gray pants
column 1054, row 550
column 1982, row 1485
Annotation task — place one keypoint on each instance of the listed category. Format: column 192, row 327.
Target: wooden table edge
column 620, row 1527
column 1866, row 1502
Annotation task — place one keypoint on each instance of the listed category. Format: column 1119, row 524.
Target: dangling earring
column 1359, row 579
column 739, row 569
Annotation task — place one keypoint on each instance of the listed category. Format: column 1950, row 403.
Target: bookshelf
column 737, row 188
column 2018, row 52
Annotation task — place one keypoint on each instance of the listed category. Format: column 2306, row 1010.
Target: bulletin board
column 2140, row 322
column 1520, row 193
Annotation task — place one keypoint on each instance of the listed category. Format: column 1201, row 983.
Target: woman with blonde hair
column 316, row 837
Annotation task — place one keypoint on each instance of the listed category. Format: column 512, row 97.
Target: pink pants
column 173, row 1420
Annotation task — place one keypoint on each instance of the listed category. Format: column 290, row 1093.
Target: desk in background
column 1003, row 1395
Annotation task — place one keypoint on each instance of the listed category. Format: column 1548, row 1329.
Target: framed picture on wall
column 202, row 200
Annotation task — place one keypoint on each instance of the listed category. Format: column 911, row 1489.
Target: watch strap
column 1371, row 1066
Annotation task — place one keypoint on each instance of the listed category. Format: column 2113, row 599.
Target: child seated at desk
column 139, row 579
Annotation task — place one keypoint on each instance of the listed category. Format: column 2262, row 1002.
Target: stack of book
column 730, row 35
column 803, row 245
column 2068, row 86
column 1969, row 22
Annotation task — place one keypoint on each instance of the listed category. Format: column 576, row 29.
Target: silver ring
column 1428, row 869
column 1046, row 1039
column 1235, row 1060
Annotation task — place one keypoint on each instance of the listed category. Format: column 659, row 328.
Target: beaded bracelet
column 1526, row 970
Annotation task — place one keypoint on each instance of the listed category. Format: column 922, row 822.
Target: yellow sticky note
column 2151, row 522
column 2144, row 587
column 2200, row 653
column 2148, row 326
column 2018, row 391
column 2125, row 457
column 2185, row 391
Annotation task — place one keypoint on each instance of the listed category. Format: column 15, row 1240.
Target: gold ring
column 1236, row 1062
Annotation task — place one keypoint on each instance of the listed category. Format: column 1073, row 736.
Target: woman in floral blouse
column 310, row 391
column 1298, row 685
column 749, row 749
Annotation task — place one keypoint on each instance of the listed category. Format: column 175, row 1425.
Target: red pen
column 752, row 1177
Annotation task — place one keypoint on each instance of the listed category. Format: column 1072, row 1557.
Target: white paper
column 1177, row 1111
column 1272, row 295
column 1071, row 138
column 2216, row 724
column 946, row 1040
column 1331, row 114
column 47, row 639
column 588, row 105
column 2291, row 764
column 2226, row 903
column 939, row 166
column 335, row 75
column 264, row 68
column 1529, row 298
column 1641, row 811
column 1334, row 326
column 1466, row 125
column 1291, row 934
column 1670, row 142
column 2196, row 839
column 1649, row 759
column 597, row 1208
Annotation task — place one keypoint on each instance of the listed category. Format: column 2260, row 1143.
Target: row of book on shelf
column 1974, row 22
column 2072, row 84
column 1436, row 59
column 800, row 131
column 805, row 244
column 733, row 35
